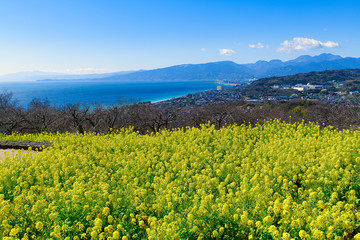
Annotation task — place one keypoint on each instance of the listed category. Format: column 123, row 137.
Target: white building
column 300, row 88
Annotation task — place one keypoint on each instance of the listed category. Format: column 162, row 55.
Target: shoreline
column 180, row 96
column 163, row 100
column 226, row 85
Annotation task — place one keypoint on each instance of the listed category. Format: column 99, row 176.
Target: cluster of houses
column 303, row 87
column 223, row 95
column 299, row 86
column 218, row 96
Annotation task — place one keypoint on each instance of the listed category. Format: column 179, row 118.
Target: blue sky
column 78, row 36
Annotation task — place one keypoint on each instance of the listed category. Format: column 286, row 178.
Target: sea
column 60, row 93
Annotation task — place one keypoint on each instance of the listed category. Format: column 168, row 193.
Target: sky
column 91, row 36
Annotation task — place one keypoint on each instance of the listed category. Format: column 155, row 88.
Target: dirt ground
column 7, row 152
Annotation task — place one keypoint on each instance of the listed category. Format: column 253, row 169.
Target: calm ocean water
column 60, row 93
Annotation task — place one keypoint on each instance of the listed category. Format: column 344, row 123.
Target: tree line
column 41, row 116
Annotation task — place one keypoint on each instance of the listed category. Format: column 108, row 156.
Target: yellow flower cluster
column 271, row 181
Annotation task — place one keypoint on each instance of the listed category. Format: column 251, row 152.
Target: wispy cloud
column 85, row 71
column 259, row 45
column 304, row 44
column 203, row 49
column 227, row 52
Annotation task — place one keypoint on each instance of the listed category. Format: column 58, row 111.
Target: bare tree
column 115, row 117
column 40, row 116
column 145, row 117
column 77, row 116
column 217, row 114
column 11, row 116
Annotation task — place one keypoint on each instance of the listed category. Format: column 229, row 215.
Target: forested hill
column 341, row 80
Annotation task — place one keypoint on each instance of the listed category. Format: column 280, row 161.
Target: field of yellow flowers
column 271, row 181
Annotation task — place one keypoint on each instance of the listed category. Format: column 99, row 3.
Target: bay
column 60, row 93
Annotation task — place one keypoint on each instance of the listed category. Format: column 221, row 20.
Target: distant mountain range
column 303, row 64
column 226, row 71
column 229, row 71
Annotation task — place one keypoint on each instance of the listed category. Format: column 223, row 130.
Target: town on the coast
column 331, row 93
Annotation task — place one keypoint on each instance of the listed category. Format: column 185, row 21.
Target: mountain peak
column 302, row 58
column 275, row 61
column 326, row 57
column 319, row 58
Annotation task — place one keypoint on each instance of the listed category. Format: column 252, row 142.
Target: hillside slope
column 346, row 80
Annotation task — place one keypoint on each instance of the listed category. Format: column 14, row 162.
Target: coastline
column 226, row 85
column 201, row 98
column 166, row 99
column 59, row 93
